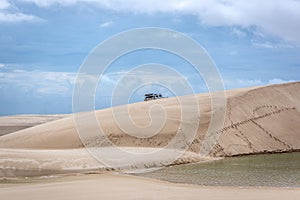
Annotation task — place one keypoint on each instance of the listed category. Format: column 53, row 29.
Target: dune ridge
column 10, row 124
column 258, row 120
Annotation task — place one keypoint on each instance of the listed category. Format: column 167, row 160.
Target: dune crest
column 258, row 120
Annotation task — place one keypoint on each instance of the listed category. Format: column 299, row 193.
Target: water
column 271, row 170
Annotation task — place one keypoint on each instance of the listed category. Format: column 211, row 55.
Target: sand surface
column 10, row 124
column 261, row 119
column 111, row 186
column 258, row 120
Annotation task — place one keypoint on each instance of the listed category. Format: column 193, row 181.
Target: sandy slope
column 262, row 119
column 110, row 186
column 10, row 124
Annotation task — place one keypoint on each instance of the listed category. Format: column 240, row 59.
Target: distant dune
column 10, row 124
column 258, row 120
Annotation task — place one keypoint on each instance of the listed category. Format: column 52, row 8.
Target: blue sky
column 44, row 42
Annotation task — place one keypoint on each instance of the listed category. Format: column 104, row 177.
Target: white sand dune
column 261, row 119
column 10, row 124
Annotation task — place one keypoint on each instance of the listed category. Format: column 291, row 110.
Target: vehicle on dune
column 153, row 96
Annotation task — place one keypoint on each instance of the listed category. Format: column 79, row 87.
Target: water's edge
column 264, row 170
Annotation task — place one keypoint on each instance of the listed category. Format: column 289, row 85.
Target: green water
column 274, row 170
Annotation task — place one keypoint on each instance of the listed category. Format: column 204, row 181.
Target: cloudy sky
column 44, row 42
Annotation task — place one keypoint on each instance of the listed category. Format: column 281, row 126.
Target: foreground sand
column 112, row 186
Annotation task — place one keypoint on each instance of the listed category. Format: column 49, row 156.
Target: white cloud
column 47, row 82
column 2, row 65
column 271, row 45
column 39, row 81
column 4, row 4
column 58, row 86
column 277, row 17
column 266, row 45
column 106, row 24
column 9, row 13
column 17, row 17
column 243, row 83
column 279, row 81
column 238, row 32
column 46, row 3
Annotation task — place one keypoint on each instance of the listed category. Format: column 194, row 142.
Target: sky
column 43, row 44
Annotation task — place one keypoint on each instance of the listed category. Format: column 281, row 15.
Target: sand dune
column 260, row 119
column 265, row 119
column 10, row 124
